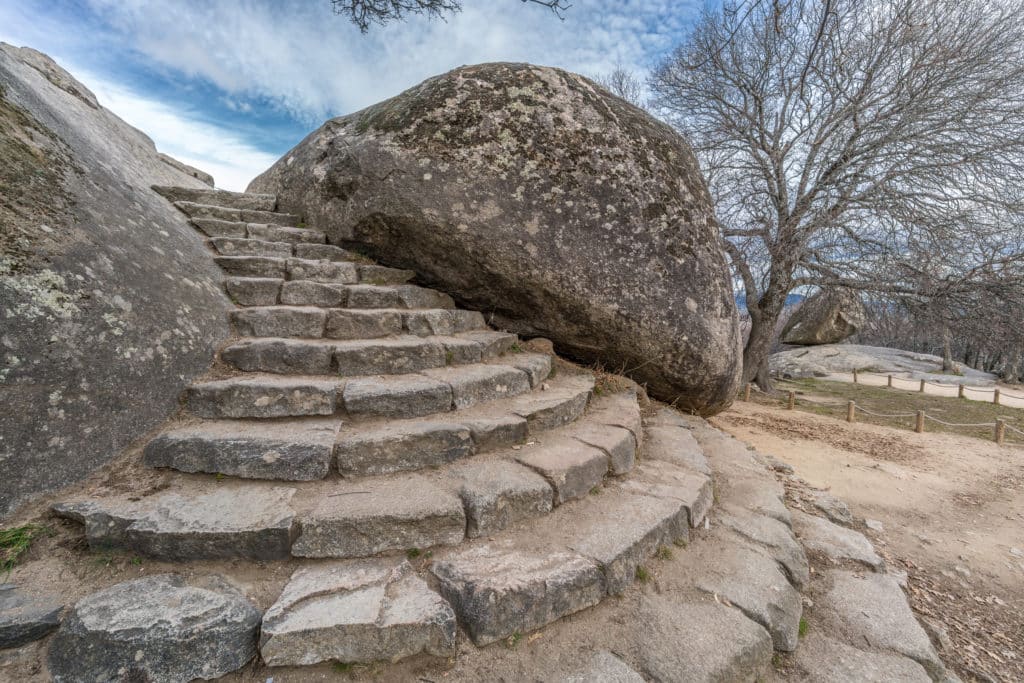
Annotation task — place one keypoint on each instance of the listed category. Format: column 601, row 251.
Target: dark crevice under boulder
column 557, row 209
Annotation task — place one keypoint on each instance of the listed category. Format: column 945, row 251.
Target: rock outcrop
column 109, row 303
column 828, row 317
column 533, row 195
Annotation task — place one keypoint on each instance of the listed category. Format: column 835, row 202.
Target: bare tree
column 363, row 13
column 623, row 83
column 842, row 139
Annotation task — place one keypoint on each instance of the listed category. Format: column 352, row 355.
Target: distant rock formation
column 109, row 302
column 534, row 195
column 828, row 317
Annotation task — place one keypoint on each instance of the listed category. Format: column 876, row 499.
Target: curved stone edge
column 871, row 630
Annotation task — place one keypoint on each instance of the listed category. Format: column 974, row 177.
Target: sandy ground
column 952, row 509
column 1012, row 396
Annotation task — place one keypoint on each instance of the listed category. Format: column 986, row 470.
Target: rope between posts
column 942, row 385
column 1014, row 429
column 865, row 410
column 954, row 424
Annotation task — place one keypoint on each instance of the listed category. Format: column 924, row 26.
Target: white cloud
column 232, row 161
column 305, row 60
column 314, row 63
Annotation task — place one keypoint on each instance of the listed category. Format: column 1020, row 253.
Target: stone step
column 390, row 356
column 382, row 275
column 270, row 291
column 291, row 268
column 372, row 516
column 200, row 523
column 304, row 449
column 403, row 396
column 397, row 296
column 270, row 232
column 223, row 213
column 356, row 611
column 310, row 322
column 210, row 197
column 558, row 564
column 241, row 246
column 294, row 450
column 203, row 518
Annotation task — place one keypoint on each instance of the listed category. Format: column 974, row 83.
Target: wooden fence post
column 746, row 393
column 851, row 411
column 995, row 396
column 890, row 381
column 1000, row 431
column 922, row 387
column 919, row 426
column 960, row 391
column 792, row 400
column 855, row 375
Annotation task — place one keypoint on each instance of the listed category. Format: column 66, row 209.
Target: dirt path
column 952, row 509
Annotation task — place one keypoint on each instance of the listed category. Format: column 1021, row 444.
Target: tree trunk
column 759, row 346
column 947, row 350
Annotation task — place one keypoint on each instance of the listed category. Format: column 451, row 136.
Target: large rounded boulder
column 539, row 198
column 827, row 317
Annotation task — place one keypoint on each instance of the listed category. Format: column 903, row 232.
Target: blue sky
column 229, row 86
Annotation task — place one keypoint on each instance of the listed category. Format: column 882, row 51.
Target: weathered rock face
column 535, row 196
column 828, row 317
column 109, row 302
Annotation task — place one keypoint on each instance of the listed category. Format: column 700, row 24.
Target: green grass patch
column 664, row 553
column 642, row 575
column 803, row 628
column 15, row 542
column 825, row 397
column 413, row 553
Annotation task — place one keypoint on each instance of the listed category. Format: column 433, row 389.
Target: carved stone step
column 291, row 268
column 214, row 523
column 223, row 213
column 356, row 611
column 238, row 246
column 378, row 515
column 231, row 200
column 261, row 395
column 390, row 356
column 349, row 324
column 382, row 275
column 272, row 232
column 296, row 450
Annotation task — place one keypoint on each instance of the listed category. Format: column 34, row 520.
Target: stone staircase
column 360, row 421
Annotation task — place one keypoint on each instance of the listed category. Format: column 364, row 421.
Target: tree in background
column 363, row 13
column 624, row 83
column 844, row 139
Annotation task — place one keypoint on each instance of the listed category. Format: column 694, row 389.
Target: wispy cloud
column 181, row 133
column 268, row 71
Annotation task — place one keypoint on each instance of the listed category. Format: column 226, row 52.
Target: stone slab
column 378, row 515
column 401, row 396
column 221, row 523
column 156, row 628
column 400, row 446
column 26, row 617
column 571, row 467
column 497, row 590
column 497, row 494
column 286, row 451
column 263, row 396
column 356, row 611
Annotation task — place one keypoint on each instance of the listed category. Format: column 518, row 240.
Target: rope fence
column 996, row 392
column 998, row 427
